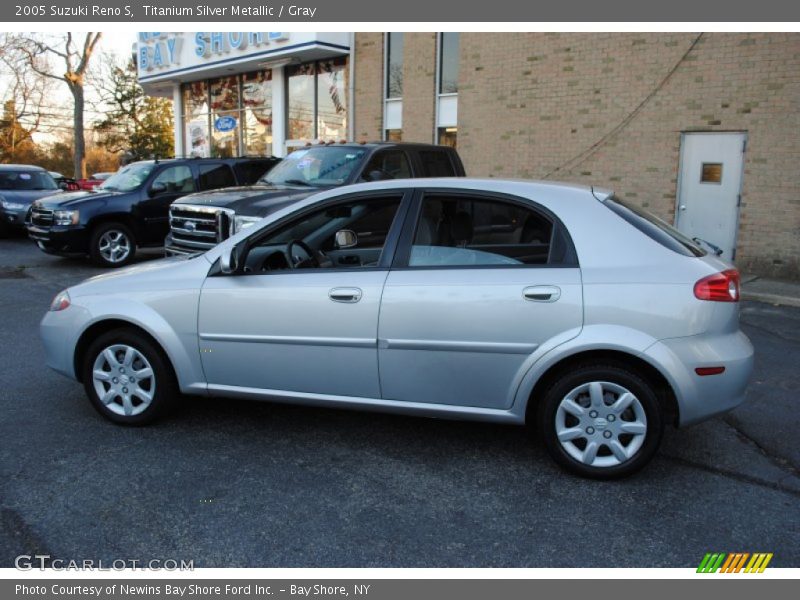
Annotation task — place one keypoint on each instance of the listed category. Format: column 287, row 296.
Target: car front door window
column 310, row 242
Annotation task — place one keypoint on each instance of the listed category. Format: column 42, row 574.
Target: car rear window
column 654, row 228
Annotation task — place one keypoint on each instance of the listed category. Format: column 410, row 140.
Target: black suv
column 131, row 208
column 200, row 221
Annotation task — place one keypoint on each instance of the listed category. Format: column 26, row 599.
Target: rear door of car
column 478, row 283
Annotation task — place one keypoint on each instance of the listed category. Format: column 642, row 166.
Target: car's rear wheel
column 112, row 245
column 128, row 378
column 602, row 421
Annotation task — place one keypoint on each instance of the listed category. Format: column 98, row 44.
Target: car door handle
column 349, row 295
column 542, row 293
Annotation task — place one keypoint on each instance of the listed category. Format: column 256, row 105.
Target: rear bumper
column 60, row 240
column 702, row 397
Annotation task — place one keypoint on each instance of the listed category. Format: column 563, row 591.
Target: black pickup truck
column 200, row 221
column 131, row 208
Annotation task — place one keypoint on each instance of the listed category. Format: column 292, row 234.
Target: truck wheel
column 112, row 245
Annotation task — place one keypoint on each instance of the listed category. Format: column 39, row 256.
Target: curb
column 771, row 298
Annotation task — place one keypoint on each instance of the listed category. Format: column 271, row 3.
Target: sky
column 58, row 120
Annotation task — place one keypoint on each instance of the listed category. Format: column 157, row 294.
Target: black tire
column 616, row 375
column 164, row 381
column 112, row 228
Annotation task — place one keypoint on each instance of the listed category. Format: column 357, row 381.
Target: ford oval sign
column 225, row 123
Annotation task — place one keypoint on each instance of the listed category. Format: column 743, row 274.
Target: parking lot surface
column 233, row 483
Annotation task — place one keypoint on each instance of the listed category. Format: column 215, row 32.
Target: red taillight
column 720, row 287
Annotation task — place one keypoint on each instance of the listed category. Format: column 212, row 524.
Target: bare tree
column 38, row 53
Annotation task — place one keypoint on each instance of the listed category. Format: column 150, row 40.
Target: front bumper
column 59, row 332
column 702, row 397
column 172, row 249
column 14, row 219
column 60, row 239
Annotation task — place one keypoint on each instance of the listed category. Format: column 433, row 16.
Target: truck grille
column 198, row 228
column 41, row 216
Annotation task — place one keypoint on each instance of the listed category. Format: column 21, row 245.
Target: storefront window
column 196, row 111
column 332, row 99
column 257, row 114
column 448, row 136
column 448, row 63
column 317, row 100
column 229, row 116
column 301, row 102
column 394, row 65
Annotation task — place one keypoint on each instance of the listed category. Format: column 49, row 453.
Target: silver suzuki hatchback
column 514, row 302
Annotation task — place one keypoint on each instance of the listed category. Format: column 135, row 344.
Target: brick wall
column 609, row 109
column 368, row 86
column 419, row 86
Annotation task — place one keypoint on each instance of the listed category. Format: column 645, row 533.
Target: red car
column 93, row 181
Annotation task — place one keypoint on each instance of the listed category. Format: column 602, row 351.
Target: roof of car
column 151, row 161
column 371, row 144
column 493, row 183
column 18, row 167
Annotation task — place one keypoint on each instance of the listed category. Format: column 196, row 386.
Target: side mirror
column 157, row 188
column 228, row 261
column 346, row 238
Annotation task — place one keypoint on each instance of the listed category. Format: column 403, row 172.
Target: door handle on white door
column 682, row 207
column 542, row 293
column 347, row 295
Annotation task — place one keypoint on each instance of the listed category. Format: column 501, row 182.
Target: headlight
column 65, row 217
column 12, row 205
column 60, row 302
column 240, row 223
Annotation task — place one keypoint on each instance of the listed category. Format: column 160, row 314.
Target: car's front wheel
column 602, row 421
column 127, row 378
column 112, row 245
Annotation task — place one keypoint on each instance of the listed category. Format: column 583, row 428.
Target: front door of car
column 311, row 329
column 169, row 184
column 478, row 284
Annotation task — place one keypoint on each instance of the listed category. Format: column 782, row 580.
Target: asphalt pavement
column 232, row 483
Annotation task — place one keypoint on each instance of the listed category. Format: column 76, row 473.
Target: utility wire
column 588, row 152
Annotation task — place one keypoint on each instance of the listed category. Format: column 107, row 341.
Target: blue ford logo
column 226, row 123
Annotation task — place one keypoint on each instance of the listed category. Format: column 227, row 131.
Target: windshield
column 26, row 180
column 320, row 166
column 127, row 178
column 649, row 224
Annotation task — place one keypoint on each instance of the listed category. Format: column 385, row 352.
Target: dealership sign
column 158, row 51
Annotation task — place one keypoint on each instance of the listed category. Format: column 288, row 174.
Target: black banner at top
column 449, row 11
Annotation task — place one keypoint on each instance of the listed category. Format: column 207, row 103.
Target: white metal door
column 710, row 184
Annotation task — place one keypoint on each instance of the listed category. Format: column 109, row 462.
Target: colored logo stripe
column 734, row 562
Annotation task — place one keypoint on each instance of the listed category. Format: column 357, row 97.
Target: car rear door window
column 250, row 171
column 215, row 175
column 436, row 163
column 389, row 164
column 176, row 180
column 460, row 231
